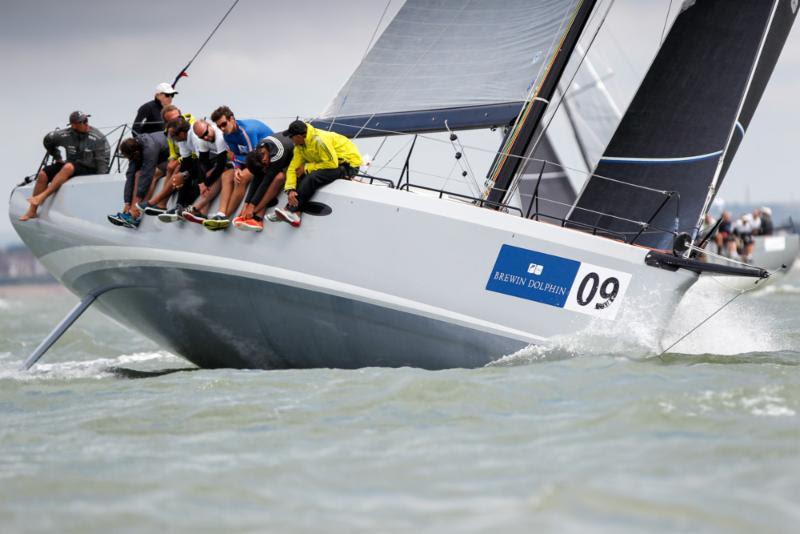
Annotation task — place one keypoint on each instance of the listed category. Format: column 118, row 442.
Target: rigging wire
column 515, row 182
column 666, row 21
column 183, row 73
column 704, row 321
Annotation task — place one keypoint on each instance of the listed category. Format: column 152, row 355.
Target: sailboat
column 391, row 275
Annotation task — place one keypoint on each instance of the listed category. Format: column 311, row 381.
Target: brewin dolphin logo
column 535, row 269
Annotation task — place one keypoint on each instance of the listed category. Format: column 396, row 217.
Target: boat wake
column 93, row 369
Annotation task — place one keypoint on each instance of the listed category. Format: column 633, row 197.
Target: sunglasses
column 204, row 134
column 222, row 124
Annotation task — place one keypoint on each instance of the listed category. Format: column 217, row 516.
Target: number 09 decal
column 597, row 291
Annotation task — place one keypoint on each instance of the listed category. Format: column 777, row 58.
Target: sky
column 275, row 61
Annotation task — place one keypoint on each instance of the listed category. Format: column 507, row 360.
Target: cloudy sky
column 272, row 60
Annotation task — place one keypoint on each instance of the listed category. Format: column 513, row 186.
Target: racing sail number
column 591, row 285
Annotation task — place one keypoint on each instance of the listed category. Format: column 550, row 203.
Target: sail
column 667, row 151
column 472, row 64
column 544, row 176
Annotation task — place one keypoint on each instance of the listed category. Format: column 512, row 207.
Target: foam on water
column 99, row 368
column 739, row 328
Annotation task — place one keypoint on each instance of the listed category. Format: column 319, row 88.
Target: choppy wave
column 768, row 401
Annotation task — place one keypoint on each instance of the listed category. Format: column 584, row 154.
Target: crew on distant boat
column 765, row 226
column 241, row 136
column 87, row 153
column 147, row 156
column 173, row 179
column 148, row 117
column 266, row 167
column 725, row 240
column 743, row 229
column 319, row 158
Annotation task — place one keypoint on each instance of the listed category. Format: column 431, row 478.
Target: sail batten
column 473, row 64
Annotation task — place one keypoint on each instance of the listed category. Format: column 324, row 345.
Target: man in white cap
column 148, row 118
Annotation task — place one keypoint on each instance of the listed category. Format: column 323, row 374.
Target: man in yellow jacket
column 320, row 157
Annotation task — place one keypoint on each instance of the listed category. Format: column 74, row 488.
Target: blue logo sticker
column 533, row 275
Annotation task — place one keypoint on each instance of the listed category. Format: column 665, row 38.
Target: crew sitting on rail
column 266, row 167
column 87, row 153
column 173, row 179
column 147, row 155
column 241, row 137
column 320, row 157
column 205, row 140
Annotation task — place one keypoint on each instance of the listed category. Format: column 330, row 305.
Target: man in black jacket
column 148, row 118
column 87, row 153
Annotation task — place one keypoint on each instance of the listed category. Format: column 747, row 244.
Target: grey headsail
column 544, row 178
column 709, row 74
column 470, row 63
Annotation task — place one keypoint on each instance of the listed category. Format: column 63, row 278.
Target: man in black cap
column 87, row 153
column 148, row 117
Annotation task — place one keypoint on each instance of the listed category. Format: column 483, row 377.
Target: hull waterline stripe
column 62, row 261
column 661, row 161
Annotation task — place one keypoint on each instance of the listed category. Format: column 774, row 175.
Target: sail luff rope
column 183, row 70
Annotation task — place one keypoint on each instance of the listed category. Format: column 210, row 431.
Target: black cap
column 297, row 127
column 77, row 117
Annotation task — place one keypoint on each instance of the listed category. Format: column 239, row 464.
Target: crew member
column 147, row 155
column 148, row 117
column 320, row 157
column 87, row 153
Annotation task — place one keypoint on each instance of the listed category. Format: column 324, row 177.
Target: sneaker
column 288, row 216
column 192, row 215
column 273, row 217
column 116, row 220
column 153, row 210
column 251, row 225
column 171, row 215
column 142, row 205
column 129, row 221
column 217, row 222
column 238, row 221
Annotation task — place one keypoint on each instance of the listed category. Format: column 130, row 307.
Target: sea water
column 598, row 433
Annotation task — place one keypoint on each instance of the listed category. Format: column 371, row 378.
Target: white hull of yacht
column 388, row 278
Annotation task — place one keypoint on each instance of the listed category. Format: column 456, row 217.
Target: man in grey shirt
column 87, row 153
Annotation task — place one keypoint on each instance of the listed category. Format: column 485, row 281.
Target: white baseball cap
column 165, row 88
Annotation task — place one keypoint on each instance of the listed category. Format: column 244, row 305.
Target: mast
column 518, row 143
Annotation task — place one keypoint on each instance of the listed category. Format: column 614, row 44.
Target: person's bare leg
column 59, row 179
column 41, row 185
column 273, row 191
column 239, row 191
column 227, row 188
column 131, row 208
column 167, row 188
column 156, row 177
column 203, row 201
